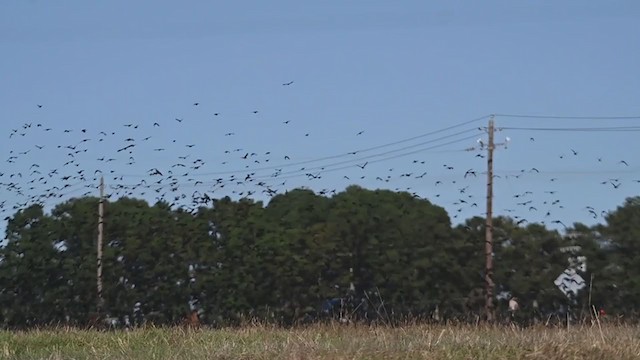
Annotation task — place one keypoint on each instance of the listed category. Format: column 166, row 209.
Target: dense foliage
column 392, row 254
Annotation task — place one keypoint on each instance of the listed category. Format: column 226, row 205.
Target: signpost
column 570, row 282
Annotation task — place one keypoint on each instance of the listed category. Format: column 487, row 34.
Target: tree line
column 378, row 254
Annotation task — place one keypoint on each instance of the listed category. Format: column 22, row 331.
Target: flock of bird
column 174, row 171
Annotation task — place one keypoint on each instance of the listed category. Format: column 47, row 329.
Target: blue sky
column 391, row 71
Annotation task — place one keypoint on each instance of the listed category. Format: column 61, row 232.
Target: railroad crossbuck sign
column 569, row 282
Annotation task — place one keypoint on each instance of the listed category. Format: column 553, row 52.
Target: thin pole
column 99, row 252
column 489, row 227
column 590, row 287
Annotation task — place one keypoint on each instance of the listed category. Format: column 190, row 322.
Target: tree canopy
column 392, row 254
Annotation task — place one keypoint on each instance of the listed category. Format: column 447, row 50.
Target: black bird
column 288, row 83
column 559, row 222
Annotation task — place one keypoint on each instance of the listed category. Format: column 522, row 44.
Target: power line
column 323, row 169
column 69, row 189
column 588, row 129
column 396, row 150
column 330, row 157
column 513, row 173
column 569, row 117
column 301, row 173
column 331, row 164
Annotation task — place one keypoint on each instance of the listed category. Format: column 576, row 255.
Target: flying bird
column 559, row 222
column 155, row 171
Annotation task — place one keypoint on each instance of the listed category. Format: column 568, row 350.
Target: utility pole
column 99, row 252
column 488, row 276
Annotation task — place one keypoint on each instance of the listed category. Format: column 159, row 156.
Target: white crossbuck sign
column 569, row 282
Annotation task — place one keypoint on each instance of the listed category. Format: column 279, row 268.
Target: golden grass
column 328, row 342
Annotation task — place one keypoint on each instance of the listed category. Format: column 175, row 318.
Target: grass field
column 328, row 342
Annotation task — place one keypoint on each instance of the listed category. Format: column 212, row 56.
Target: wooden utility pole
column 99, row 252
column 489, row 285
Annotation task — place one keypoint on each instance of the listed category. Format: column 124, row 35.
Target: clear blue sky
column 392, row 71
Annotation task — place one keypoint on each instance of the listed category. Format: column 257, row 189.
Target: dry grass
column 328, row 342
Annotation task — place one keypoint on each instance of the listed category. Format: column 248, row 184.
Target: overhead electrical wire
column 588, row 129
column 324, row 168
column 337, row 156
column 327, row 167
column 527, row 116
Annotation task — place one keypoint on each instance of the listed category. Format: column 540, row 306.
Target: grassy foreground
column 328, row 342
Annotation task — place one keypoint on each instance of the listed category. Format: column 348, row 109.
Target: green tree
column 618, row 281
column 35, row 285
